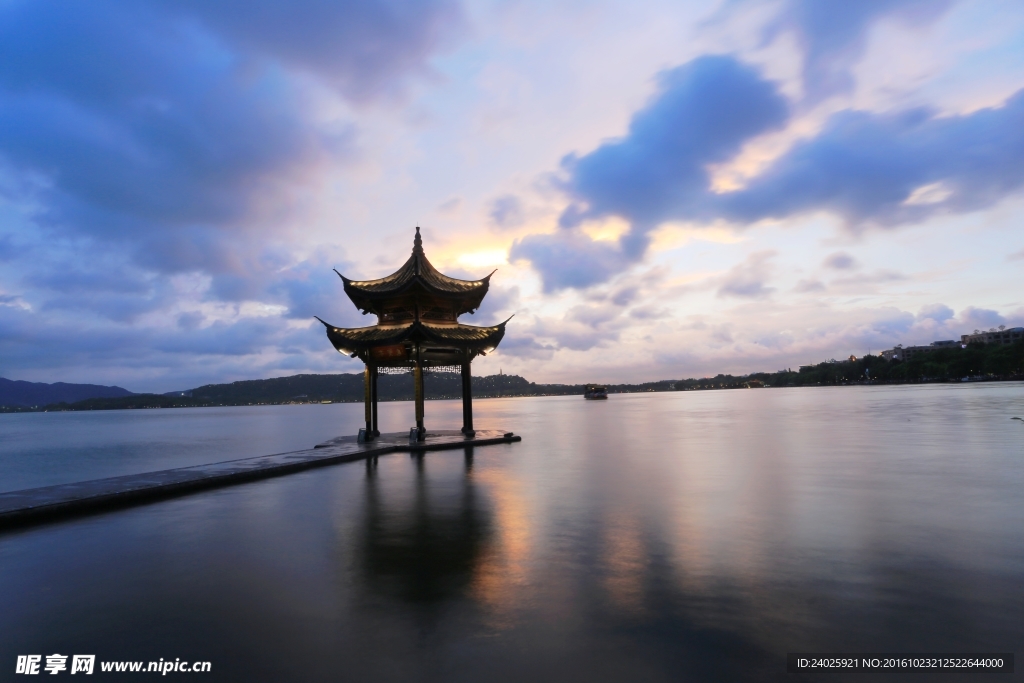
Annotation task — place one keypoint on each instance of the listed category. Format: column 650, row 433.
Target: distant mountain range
column 29, row 394
column 978, row 362
column 349, row 387
column 295, row 389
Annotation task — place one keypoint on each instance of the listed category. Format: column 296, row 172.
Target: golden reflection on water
column 625, row 562
column 501, row 576
column 720, row 530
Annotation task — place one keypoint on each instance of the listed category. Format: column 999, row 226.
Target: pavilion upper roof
column 417, row 274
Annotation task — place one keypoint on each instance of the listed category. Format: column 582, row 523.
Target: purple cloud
column 570, row 259
column 868, row 169
column 507, row 212
column 748, row 280
column 148, row 138
column 892, row 169
column 833, row 35
column 365, row 49
column 703, row 112
column 840, row 261
column 937, row 312
column 974, row 317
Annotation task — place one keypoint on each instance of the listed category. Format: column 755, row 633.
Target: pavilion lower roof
column 353, row 339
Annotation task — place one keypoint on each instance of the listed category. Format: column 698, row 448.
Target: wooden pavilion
column 418, row 328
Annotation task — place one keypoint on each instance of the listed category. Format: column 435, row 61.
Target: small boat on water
column 595, row 392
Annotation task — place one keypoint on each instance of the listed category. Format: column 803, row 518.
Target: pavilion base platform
column 438, row 439
column 19, row 508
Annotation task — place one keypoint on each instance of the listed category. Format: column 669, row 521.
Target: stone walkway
column 32, row 505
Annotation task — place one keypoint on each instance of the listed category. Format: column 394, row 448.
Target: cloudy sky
column 667, row 189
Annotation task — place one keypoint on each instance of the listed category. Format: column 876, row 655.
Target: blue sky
column 668, row 189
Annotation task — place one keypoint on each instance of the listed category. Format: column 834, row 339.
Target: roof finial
column 417, row 243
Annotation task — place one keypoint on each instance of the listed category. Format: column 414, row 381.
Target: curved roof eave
column 417, row 273
column 351, row 340
column 352, row 287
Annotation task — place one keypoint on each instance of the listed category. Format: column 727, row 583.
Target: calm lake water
column 694, row 536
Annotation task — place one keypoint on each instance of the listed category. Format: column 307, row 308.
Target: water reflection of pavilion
column 424, row 547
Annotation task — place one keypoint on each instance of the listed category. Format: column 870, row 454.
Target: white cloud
column 932, row 193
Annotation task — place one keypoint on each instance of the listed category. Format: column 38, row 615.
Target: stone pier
column 32, row 505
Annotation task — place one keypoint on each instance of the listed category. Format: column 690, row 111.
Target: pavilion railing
column 428, row 369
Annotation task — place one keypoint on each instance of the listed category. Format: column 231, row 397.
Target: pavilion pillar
column 467, row 398
column 373, row 401
column 421, row 431
column 367, row 393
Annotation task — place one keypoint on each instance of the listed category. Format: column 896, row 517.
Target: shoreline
column 70, row 408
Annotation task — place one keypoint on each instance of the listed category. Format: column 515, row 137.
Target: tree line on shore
column 976, row 362
column 943, row 364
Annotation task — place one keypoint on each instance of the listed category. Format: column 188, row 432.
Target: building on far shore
column 1009, row 336
column 1002, row 336
column 902, row 353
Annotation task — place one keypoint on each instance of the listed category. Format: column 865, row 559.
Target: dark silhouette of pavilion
column 417, row 309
